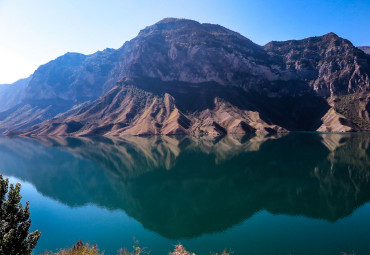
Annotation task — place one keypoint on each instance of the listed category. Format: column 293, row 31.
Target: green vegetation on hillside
column 354, row 107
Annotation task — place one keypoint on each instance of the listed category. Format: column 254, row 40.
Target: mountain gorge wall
column 182, row 77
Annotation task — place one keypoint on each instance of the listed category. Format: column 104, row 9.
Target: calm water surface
column 289, row 194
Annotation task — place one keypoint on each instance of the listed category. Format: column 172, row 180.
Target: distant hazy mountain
column 182, row 77
column 60, row 86
column 12, row 94
column 366, row 49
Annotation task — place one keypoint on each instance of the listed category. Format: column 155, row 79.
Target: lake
column 298, row 193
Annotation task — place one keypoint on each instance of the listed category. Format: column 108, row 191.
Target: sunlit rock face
column 182, row 77
column 330, row 65
column 181, row 186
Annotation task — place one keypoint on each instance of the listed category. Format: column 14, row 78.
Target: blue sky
column 35, row 32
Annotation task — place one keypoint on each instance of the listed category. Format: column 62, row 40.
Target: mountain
column 182, row 77
column 12, row 94
column 61, row 86
column 365, row 49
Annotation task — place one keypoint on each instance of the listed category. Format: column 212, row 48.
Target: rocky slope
column 131, row 110
column 329, row 65
column 182, row 77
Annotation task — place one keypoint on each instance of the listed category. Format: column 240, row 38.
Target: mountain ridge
column 240, row 87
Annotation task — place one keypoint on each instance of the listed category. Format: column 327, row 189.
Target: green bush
column 15, row 224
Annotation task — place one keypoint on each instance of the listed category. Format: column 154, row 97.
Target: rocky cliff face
column 187, row 51
column 330, row 65
column 180, row 76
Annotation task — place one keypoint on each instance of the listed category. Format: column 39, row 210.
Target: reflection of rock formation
column 332, row 141
column 212, row 184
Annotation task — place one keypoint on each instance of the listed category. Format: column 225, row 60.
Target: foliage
column 136, row 250
column 78, row 249
column 353, row 107
column 225, row 252
column 180, row 250
column 85, row 249
column 15, row 224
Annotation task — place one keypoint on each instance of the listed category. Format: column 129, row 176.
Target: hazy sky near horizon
column 35, row 32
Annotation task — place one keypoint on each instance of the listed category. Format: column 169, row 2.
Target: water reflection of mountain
column 184, row 187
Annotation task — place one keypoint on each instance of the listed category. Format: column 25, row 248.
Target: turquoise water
column 300, row 193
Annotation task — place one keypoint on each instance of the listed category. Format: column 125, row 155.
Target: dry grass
column 85, row 249
column 225, row 252
column 180, row 250
column 136, row 250
column 78, row 249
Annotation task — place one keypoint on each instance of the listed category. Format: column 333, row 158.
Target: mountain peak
column 187, row 28
column 331, row 35
column 175, row 20
column 169, row 24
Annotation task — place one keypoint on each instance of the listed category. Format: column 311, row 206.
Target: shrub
column 136, row 250
column 180, row 250
column 78, row 249
column 15, row 224
column 85, row 249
